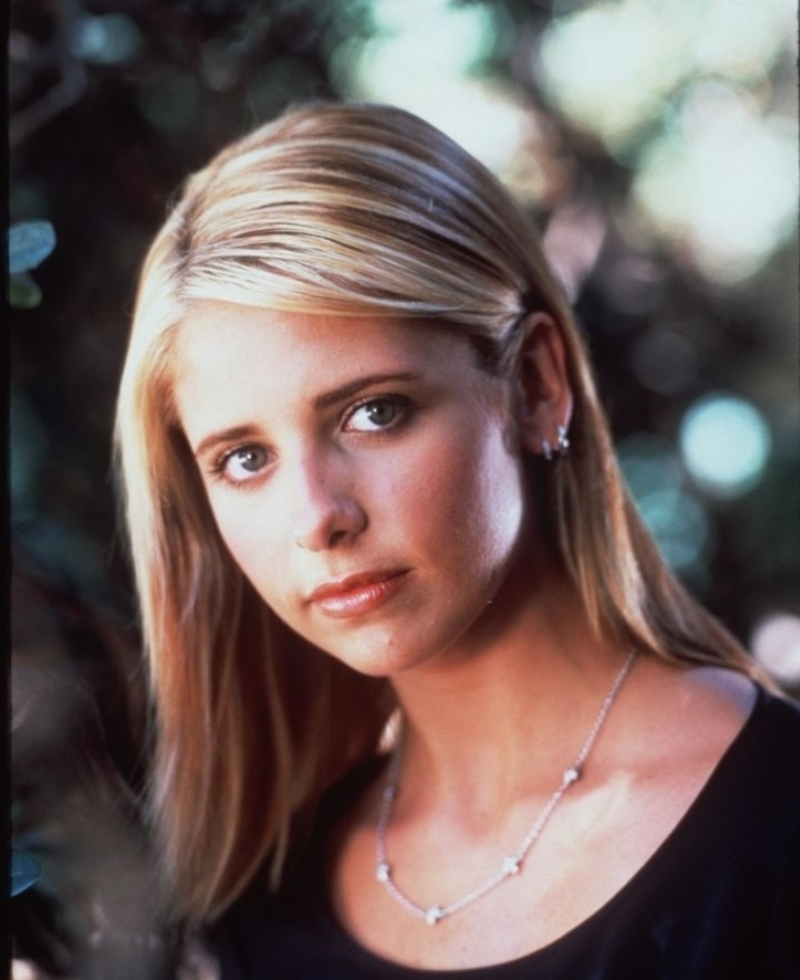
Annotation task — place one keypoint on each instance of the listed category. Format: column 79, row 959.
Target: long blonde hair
column 354, row 210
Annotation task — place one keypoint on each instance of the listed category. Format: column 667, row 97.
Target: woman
column 372, row 503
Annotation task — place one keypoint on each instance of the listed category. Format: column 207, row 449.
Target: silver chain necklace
column 512, row 864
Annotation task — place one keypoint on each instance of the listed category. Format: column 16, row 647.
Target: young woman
column 427, row 697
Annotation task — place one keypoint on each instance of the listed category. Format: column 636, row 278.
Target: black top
column 718, row 900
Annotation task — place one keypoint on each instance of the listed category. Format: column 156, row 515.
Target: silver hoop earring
column 547, row 450
column 563, row 442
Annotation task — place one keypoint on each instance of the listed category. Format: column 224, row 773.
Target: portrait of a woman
column 427, row 699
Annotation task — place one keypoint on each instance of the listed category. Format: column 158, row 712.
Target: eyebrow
column 325, row 400
column 353, row 387
column 234, row 434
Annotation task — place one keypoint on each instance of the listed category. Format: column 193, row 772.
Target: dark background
column 112, row 104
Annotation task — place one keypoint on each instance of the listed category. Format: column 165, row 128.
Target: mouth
column 355, row 595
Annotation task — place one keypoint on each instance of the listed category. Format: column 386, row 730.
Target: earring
column 547, row 450
column 563, row 442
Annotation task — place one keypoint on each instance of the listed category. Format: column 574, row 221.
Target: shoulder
column 744, row 711
column 687, row 725
column 729, row 749
column 685, row 717
column 748, row 739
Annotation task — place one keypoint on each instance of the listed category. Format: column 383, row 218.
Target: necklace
column 511, row 865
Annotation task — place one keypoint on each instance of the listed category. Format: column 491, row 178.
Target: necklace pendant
column 383, row 872
column 571, row 776
column 433, row 915
column 511, row 866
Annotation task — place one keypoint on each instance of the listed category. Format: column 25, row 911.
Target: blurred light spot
column 612, row 65
column 741, row 40
column 725, row 443
column 221, row 68
column 678, row 522
column 648, row 463
column 675, row 517
column 608, row 67
column 635, row 284
column 421, row 60
column 776, row 646
column 572, row 243
column 664, row 361
column 23, row 970
column 719, row 181
column 110, row 39
column 409, row 51
column 722, row 182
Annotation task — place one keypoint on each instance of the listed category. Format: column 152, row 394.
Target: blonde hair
column 354, row 210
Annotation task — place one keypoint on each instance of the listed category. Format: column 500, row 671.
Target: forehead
column 232, row 358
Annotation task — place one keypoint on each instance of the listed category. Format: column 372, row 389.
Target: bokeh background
column 655, row 144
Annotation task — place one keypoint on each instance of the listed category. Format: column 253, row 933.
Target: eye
column 242, row 464
column 377, row 414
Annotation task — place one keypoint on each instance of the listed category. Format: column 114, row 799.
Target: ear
column 545, row 395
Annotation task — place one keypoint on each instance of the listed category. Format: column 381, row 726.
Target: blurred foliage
column 25, row 870
column 29, row 244
column 77, row 765
column 112, row 104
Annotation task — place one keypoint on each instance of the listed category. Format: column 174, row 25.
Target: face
column 360, row 473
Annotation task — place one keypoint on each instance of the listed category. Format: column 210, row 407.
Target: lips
column 357, row 594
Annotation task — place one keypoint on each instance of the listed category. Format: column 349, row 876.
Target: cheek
column 249, row 539
column 474, row 501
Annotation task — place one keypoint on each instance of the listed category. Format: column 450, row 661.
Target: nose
column 325, row 511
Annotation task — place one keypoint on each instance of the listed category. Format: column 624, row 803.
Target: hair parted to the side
column 354, row 210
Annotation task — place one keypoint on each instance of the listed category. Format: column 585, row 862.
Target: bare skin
column 487, row 739
column 466, row 802
column 333, row 450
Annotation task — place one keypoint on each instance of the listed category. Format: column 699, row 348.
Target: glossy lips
column 357, row 594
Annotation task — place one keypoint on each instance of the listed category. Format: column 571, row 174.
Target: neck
column 488, row 724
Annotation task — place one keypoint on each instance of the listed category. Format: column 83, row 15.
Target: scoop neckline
column 498, row 970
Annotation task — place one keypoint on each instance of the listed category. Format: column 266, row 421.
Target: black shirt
column 718, row 900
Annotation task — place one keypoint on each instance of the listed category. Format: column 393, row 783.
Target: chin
column 379, row 663
column 380, row 655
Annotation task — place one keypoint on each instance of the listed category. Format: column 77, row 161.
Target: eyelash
column 400, row 403
column 403, row 405
column 220, row 463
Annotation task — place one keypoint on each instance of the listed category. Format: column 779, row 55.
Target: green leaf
column 23, row 293
column 25, row 869
column 29, row 244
